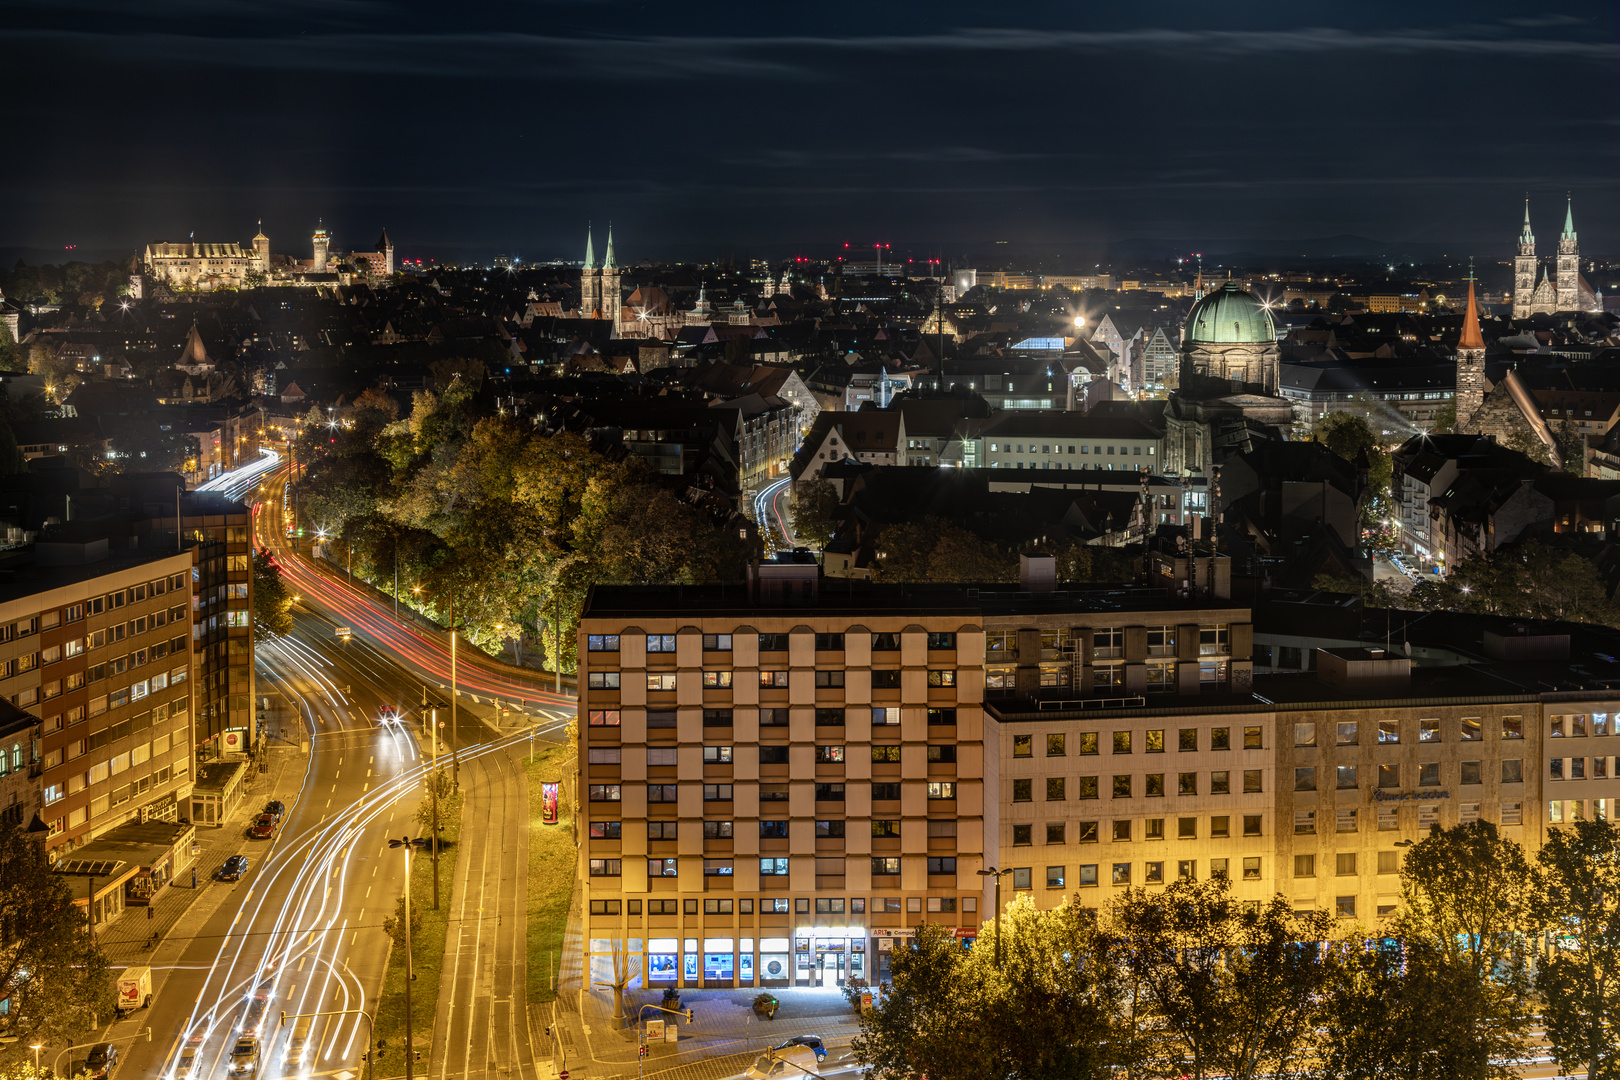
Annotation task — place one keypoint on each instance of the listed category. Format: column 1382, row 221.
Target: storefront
column 884, row 943
column 815, row 956
column 829, row 955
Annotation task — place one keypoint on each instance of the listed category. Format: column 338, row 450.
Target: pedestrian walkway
column 723, row 1039
column 128, row 939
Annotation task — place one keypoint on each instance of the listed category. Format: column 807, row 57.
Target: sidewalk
column 723, row 1039
column 126, row 940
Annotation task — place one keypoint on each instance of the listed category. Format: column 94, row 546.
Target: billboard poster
column 548, row 802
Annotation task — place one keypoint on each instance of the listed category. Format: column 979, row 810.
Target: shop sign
column 1409, row 796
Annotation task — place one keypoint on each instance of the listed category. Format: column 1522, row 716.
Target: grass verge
column 427, row 948
column 552, row 871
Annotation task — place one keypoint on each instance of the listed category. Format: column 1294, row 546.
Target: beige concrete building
column 778, row 782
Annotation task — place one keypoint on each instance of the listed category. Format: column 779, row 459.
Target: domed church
column 1231, row 342
column 1226, row 395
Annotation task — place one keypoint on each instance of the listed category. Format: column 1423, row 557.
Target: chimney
column 1037, row 573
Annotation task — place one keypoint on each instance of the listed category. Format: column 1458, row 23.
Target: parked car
column 276, row 809
column 233, row 868
column 812, row 1041
column 264, row 828
column 102, row 1061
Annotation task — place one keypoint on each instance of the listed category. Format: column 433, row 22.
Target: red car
column 264, row 828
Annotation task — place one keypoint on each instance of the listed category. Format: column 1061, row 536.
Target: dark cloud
column 704, row 128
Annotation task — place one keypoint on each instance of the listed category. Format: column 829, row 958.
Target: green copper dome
column 1230, row 316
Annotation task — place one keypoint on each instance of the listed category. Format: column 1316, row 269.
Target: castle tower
column 261, row 252
column 386, row 246
column 320, row 241
column 1524, row 268
column 1470, row 366
column 1569, row 264
column 590, row 281
column 612, row 296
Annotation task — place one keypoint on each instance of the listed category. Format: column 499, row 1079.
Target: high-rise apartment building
column 97, row 645
column 777, row 783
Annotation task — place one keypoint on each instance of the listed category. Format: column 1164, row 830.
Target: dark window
column 827, row 680
column 941, row 641
column 885, row 792
column 773, row 718
column 716, row 717
column 773, row 643
column 942, row 753
column 716, row 792
column 942, row 864
column 606, row 830
column 829, row 717
column 773, row 755
column 885, row 642
column 773, row 830
column 829, row 642
column 942, row 717
column 885, row 680
column 829, row 828
column 829, row 793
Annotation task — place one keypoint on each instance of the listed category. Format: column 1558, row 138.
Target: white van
column 298, row 1042
column 788, row 1063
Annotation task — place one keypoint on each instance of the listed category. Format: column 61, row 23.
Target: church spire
column 608, row 264
column 1527, row 238
column 590, row 251
column 1569, row 220
column 1471, row 337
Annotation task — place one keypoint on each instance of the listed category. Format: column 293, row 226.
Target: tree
column 1577, row 895
column 1445, row 419
column 1382, row 997
column 1350, row 437
column 1376, row 594
column 272, row 603
column 1235, row 991
column 57, row 980
column 815, row 512
column 1465, row 891
column 937, row 550
column 1051, row 1013
column 394, row 925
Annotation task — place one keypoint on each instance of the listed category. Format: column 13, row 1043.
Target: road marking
column 368, row 892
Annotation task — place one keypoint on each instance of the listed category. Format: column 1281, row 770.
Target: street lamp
column 407, row 843
column 998, row 875
column 37, row 1047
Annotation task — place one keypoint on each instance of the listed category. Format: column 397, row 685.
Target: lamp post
column 36, row 1048
column 998, row 875
column 407, row 843
column 437, row 772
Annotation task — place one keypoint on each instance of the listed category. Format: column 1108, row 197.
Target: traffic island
column 552, row 865
column 429, row 931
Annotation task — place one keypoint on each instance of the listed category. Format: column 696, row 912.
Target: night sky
column 770, row 129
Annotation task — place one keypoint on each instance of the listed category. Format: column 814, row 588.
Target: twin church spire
column 590, row 250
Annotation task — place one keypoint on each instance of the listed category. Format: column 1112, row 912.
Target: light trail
column 350, row 607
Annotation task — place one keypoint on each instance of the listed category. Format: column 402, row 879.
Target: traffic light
column 642, row 1051
column 688, row 1016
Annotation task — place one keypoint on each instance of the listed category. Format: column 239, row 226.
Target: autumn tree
column 1577, row 897
column 1235, row 990
column 1052, row 1010
column 815, row 512
column 272, row 603
column 940, row 551
column 56, row 979
column 1465, row 893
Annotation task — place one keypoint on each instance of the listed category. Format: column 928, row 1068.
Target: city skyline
column 706, row 133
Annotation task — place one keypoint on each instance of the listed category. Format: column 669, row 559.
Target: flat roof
column 22, row 576
column 853, row 599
